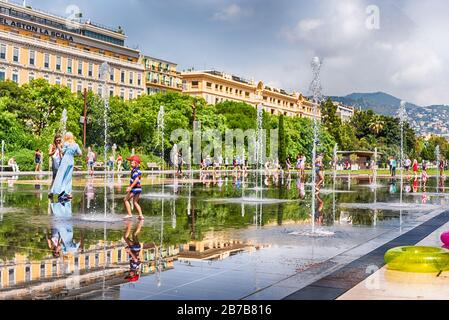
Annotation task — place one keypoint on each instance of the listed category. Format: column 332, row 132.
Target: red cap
column 134, row 158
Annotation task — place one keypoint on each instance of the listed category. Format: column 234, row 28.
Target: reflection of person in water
column 61, row 240
column 441, row 186
column 393, row 187
column 319, row 216
column 415, row 185
column 133, row 249
column 301, row 187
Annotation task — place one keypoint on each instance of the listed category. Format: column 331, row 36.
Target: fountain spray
column 402, row 120
column 64, row 119
column 315, row 89
column 105, row 71
column 161, row 130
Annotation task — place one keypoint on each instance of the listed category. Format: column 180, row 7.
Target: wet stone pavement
column 192, row 244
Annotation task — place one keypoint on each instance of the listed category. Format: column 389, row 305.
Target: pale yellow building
column 161, row 76
column 36, row 44
column 216, row 87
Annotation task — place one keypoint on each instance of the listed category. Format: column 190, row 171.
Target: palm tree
column 377, row 124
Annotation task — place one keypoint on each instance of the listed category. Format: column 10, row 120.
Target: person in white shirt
column 13, row 164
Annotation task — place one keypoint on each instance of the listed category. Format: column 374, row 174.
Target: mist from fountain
column 64, row 119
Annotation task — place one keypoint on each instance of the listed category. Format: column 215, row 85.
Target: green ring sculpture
column 418, row 259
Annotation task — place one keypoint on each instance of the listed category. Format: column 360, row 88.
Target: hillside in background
column 425, row 120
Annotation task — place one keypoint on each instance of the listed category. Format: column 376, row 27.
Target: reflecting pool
column 208, row 236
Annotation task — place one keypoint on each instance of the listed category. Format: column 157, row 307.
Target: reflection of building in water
column 214, row 248
column 22, row 278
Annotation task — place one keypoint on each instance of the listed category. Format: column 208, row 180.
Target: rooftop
column 80, row 20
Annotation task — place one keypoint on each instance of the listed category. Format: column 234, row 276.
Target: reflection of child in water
column 133, row 249
column 319, row 214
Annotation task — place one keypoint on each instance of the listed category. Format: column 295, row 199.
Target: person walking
column 394, row 165
column 119, row 163
column 90, row 161
column 441, row 166
column 134, row 191
column 38, row 157
column 63, row 182
column 415, row 168
column 180, row 162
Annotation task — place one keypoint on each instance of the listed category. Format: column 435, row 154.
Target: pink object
column 445, row 238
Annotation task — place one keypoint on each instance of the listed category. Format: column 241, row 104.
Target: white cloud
column 231, row 12
column 406, row 57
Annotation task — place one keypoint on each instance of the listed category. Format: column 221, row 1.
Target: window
column 3, row 51
column 2, row 75
column 54, row 269
column 86, row 262
column 139, row 79
column 69, row 84
column 47, row 61
column 122, row 94
column 27, row 274
column 58, row 63
column 131, row 95
column 69, row 65
column 209, row 85
column 15, row 56
column 112, row 74
column 122, row 77
column 32, row 57
column 97, row 260
column 89, row 87
column 111, row 91
column 131, row 78
column 42, row 270
column 79, row 87
column 58, row 81
column 119, row 256
column 47, row 78
column 100, row 90
column 80, row 67
column 12, row 278
column 15, row 77
column 31, row 77
column 194, row 84
column 91, row 69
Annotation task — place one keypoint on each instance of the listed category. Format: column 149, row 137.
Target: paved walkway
column 394, row 285
column 357, row 281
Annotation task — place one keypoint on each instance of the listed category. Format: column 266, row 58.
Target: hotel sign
column 39, row 30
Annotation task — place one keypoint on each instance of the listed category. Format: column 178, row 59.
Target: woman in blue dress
column 63, row 182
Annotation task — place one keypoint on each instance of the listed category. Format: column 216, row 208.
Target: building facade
column 344, row 112
column 217, row 87
column 35, row 44
column 161, row 76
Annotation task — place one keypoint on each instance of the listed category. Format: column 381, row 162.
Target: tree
column 282, row 150
column 331, row 121
column 377, row 125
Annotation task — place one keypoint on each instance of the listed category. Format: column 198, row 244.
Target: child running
column 135, row 188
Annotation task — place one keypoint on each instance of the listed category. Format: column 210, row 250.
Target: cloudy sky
column 404, row 50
